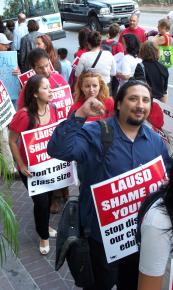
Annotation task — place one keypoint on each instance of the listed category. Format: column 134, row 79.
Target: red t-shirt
column 109, row 109
column 139, row 32
column 55, row 80
column 20, row 123
column 80, row 52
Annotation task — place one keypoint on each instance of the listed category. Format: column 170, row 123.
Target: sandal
column 44, row 250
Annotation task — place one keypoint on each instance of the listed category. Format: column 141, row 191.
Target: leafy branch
column 8, row 222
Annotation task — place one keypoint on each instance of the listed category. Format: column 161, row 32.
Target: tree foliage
column 12, row 9
column 8, row 222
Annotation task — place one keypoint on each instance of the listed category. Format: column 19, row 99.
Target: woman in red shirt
column 36, row 112
column 91, row 84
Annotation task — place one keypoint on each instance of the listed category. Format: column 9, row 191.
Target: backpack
column 71, row 243
column 147, row 203
column 112, row 46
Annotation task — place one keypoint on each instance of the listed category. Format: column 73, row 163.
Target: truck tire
column 94, row 24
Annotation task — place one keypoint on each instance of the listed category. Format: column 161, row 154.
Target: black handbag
column 79, row 262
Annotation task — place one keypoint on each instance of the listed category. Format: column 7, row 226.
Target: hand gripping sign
column 63, row 100
column 6, row 107
column 47, row 173
column 117, row 201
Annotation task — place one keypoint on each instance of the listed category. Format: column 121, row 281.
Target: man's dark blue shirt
column 72, row 140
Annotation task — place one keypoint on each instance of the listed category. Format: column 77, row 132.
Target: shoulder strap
column 106, row 139
column 148, row 202
column 168, row 39
column 143, row 69
column 97, row 58
column 73, row 211
column 106, row 135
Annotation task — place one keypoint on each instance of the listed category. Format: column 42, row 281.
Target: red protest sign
column 123, row 195
column 36, row 144
column 63, row 100
column 23, row 78
column 6, row 107
column 117, row 201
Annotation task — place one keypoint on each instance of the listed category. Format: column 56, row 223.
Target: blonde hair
column 103, row 92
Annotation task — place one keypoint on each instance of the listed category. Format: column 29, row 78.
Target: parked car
column 97, row 13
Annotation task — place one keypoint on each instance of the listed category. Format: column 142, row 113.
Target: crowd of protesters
column 116, row 79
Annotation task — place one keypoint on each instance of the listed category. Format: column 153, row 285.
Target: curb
column 155, row 11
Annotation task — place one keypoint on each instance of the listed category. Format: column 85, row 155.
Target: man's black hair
column 132, row 44
column 123, row 91
column 62, row 52
column 35, row 55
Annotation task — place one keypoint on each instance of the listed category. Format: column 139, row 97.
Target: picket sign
column 47, row 173
column 6, row 107
column 23, row 78
column 117, row 201
column 63, row 100
column 8, row 62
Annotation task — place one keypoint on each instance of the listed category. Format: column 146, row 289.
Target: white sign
column 47, row 173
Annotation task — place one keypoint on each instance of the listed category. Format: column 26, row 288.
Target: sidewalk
column 31, row 270
column 151, row 8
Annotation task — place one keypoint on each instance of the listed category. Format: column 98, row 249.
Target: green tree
column 12, row 9
column 8, row 222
